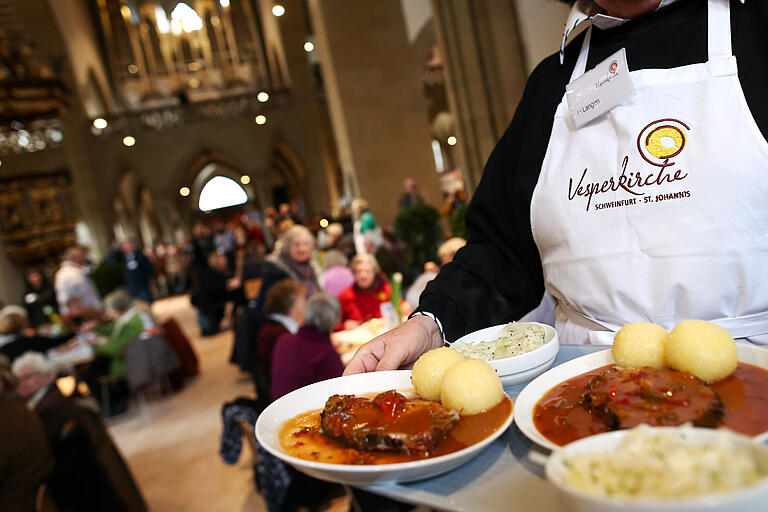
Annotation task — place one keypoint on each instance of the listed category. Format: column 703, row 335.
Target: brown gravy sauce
column 314, row 446
column 560, row 419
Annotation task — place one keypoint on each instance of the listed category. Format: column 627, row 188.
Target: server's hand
column 398, row 348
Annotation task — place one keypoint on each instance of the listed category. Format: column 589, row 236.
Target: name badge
column 599, row 90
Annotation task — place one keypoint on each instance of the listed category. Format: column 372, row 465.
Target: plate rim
column 530, row 395
column 380, row 469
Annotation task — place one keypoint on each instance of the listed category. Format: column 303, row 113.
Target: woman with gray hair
column 293, row 255
column 126, row 326
column 308, row 356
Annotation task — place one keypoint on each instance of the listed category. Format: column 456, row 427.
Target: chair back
column 252, row 288
column 149, row 361
column 180, row 344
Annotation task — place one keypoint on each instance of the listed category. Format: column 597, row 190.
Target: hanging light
column 100, row 123
column 184, row 191
column 452, row 140
column 129, row 141
column 261, row 119
column 278, row 10
column 245, row 179
column 262, row 96
column 309, row 46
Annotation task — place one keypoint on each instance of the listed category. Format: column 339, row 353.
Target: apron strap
column 719, row 29
column 581, row 63
column 746, row 326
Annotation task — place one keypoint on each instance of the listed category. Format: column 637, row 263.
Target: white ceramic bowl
column 518, row 369
column 749, row 499
column 315, row 395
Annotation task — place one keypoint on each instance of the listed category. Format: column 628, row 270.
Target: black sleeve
column 497, row 277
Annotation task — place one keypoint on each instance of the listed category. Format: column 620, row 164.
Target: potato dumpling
column 471, row 386
column 640, row 344
column 705, row 349
column 428, row 371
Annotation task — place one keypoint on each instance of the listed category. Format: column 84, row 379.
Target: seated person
column 337, row 277
column 284, row 308
column 81, row 478
column 127, row 324
column 36, row 375
column 308, row 356
column 25, row 460
column 445, row 253
column 362, row 301
column 16, row 337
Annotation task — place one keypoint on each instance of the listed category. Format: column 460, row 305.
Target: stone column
column 378, row 110
column 485, row 73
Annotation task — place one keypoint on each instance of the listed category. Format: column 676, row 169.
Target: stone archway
column 286, row 171
column 216, row 169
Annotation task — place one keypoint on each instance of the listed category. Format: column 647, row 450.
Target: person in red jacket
column 362, row 301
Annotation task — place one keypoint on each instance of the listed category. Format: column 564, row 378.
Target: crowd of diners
column 282, row 282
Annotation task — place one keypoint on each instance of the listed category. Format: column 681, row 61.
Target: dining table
column 507, row 475
column 347, row 342
column 66, row 357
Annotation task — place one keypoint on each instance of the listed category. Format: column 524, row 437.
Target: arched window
column 221, row 192
column 183, row 17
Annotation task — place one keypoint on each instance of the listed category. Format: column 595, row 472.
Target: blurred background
column 162, row 162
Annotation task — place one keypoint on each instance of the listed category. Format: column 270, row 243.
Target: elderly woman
column 293, row 254
column 362, row 301
column 128, row 323
column 307, row 356
column 284, row 306
column 337, row 276
column 26, row 458
column 15, row 338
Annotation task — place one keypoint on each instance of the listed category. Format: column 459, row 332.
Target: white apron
column 658, row 210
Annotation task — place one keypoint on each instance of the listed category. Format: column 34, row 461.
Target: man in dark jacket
column 138, row 271
column 25, row 458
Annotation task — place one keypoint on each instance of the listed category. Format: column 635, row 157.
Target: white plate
column 749, row 498
column 315, row 395
column 532, row 393
column 518, row 369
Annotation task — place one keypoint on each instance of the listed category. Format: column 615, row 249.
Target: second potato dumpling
column 703, row 348
column 471, row 387
column 428, row 372
column 639, row 344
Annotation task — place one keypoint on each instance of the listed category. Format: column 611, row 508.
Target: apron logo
column 662, row 140
column 613, row 67
column 658, row 143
